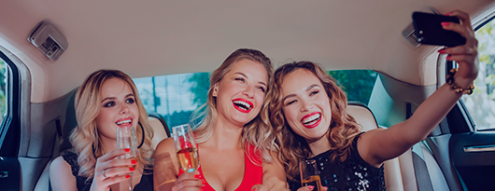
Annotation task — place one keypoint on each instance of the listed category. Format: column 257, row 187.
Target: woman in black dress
column 308, row 112
column 107, row 100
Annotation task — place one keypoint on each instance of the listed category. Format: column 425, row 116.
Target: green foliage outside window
column 3, row 103
column 358, row 84
column 481, row 104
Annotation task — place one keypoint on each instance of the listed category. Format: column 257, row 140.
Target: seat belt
column 420, row 169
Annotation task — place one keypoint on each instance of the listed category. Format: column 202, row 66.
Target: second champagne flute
column 185, row 146
column 310, row 176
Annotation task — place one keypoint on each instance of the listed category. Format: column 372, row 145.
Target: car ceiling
column 147, row 38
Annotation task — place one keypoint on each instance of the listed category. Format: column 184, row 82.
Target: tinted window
column 481, row 104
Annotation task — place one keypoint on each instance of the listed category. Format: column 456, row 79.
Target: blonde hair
column 294, row 148
column 85, row 137
column 257, row 132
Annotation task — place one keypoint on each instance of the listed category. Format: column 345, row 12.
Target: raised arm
column 376, row 146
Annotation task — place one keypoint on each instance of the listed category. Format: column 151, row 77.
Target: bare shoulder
column 59, row 164
column 61, row 171
column 166, row 145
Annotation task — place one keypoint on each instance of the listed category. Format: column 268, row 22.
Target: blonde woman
column 107, row 100
column 310, row 117
column 234, row 140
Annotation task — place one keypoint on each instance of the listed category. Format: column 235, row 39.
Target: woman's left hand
column 465, row 55
column 271, row 184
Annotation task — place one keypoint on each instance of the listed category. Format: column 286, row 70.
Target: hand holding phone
column 428, row 30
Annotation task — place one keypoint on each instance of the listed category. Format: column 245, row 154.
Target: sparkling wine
column 312, row 181
column 188, row 159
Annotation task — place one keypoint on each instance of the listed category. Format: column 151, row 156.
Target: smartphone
column 428, row 30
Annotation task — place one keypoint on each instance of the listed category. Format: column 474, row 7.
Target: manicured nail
column 203, row 182
column 131, row 169
column 445, row 24
column 127, row 176
column 449, row 57
column 197, row 176
column 311, row 187
column 127, row 150
column 441, row 51
column 133, row 161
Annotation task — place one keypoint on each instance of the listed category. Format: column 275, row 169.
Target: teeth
column 311, row 119
column 242, row 103
column 125, row 121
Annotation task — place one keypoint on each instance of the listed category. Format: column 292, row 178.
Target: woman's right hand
column 310, row 188
column 188, row 182
column 110, row 170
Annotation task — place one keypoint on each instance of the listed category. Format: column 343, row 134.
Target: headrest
column 363, row 116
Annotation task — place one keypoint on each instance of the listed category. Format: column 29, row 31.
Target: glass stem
column 130, row 183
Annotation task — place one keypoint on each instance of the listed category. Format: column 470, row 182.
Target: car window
column 6, row 107
column 3, row 89
column 177, row 96
column 481, row 104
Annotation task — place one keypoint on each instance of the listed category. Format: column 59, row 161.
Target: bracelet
column 457, row 89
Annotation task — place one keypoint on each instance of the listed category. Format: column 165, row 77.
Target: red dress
column 253, row 173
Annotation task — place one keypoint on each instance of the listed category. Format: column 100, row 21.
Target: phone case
column 428, row 30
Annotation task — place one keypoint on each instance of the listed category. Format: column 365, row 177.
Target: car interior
column 48, row 48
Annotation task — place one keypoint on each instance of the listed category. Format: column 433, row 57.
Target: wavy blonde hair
column 257, row 132
column 293, row 147
column 85, row 137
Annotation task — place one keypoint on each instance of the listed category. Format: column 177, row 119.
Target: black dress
column 83, row 184
column 354, row 174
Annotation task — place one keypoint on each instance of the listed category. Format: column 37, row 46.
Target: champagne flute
column 185, row 148
column 126, row 138
column 310, row 176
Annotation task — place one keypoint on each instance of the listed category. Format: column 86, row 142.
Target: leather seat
column 400, row 172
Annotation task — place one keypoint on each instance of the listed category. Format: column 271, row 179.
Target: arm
column 166, row 168
column 61, row 177
column 166, row 165
column 379, row 145
column 273, row 176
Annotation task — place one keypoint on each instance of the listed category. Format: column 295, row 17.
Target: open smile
column 124, row 122
column 311, row 120
column 242, row 105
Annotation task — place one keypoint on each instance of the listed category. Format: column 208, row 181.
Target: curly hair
column 85, row 137
column 293, row 147
column 257, row 132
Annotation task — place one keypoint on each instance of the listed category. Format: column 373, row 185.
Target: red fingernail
column 448, row 57
column 445, row 24
column 203, row 182
column 127, row 176
column 197, row 176
column 449, row 13
column 311, row 187
column 133, row 161
column 131, row 169
column 441, row 51
column 127, row 150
